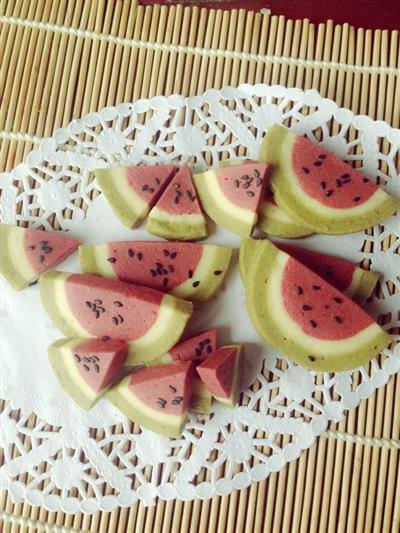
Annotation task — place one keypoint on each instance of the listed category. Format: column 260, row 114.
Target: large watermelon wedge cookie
column 26, row 253
column 232, row 195
column 306, row 318
column 132, row 191
column 347, row 277
column 178, row 214
column 320, row 190
column 187, row 270
column 83, row 305
column 157, row 398
column 220, row 374
column 85, row 368
column 272, row 219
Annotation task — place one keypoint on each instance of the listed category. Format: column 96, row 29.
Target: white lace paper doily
column 70, row 466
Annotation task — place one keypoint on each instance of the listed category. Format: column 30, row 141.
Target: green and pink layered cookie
column 347, row 277
column 220, row 374
column 27, row 253
column 233, row 194
column 272, row 219
column 84, row 305
column 187, row 270
column 157, row 398
column 319, row 190
column 307, row 318
column 195, row 349
column 178, row 214
column 133, row 191
column 85, row 368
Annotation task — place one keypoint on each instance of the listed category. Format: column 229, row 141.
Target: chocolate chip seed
column 345, row 176
column 329, row 193
column 196, row 284
column 365, row 180
column 118, row 304
column 250, row 193
column 31, row 247
column 111, row 260
column 190, row 274
column 316, row 287
column 197, row 352
column 313, row 324
column 88, row 304
column 165, row 282
column 97, row 368
column 306, row 308
column 98, row 302
column 173, row 389
column 139, row 256
column 173, row 255
column 41, row 259
column 256, row 173
column 322, row 156
column 101, row 309
column 356, row 199
column 77, row 358
column 86, row 368
column 105, row 338
column 208, row 349
column 337, row 300
column 217, row 272
column 311, row 358
column 317, row 163
column 131, row 253
column 171, row 268
column 299, row 291
column 323, row 184
column 166, row 253
column 157, row 181
column 338, row 319
column 306, row 170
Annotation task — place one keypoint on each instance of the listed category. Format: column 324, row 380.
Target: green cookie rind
column 61, row 372
column 264, row 322
column 201, row 398
column 276, row 148
column 180, row 231
column 10, row 266
column 47, row 293
column 88, row 261
column 135, row 414
column 366, row 287
column 247, row 254
column 212, row 209
column 123, row 207
column 161, row 345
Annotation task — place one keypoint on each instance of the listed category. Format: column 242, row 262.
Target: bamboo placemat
column 350, row 480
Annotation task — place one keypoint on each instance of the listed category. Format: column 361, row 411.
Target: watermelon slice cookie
column 187, row 270
column 83, row 305
column 272, row 219
column 232, row 195
column 306, row 318
column 178, row 214
column 85, row 368
column 320, row 190
column 195, row 349
column 220, row 374
column 27, row 253
column 157, row 398
column 347, row 277
column 132, row 191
